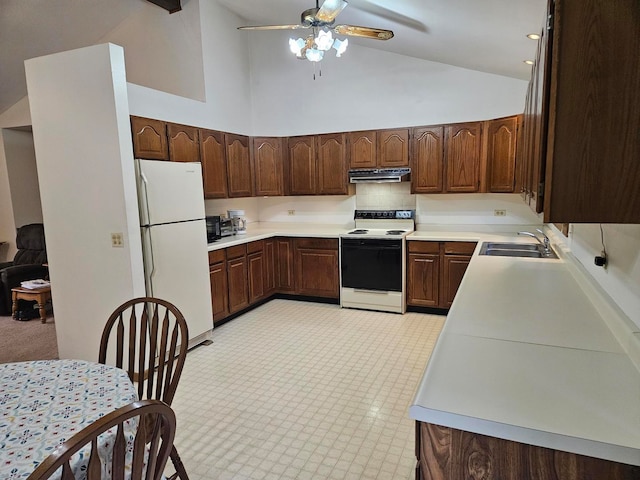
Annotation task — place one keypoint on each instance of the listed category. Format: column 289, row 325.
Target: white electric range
column 372, row 260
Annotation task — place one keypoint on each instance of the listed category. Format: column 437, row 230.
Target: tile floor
column 297, row 390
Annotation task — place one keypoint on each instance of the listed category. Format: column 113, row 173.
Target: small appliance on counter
column 226, row 227
column 214, row 224
column 238, row 221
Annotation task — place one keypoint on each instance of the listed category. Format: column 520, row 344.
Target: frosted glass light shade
column 296, row 46
column 324, row 40
column 340, row 46
column 314, row 55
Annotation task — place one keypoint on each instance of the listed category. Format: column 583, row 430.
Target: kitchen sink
column 528, row 250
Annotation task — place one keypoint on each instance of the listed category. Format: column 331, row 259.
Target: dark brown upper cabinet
column 393, row 148
column 362, row 149
column 239, row 174
column 593, row 145
column 213, row 156
column 268, row 166
column 302, row 171
column 427, row 160
column 149, row 138
column 501, row 137
column 332, row 164
column 462, row 157
column 184, row 145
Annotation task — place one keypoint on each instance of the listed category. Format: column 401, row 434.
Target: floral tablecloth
column 44, row 403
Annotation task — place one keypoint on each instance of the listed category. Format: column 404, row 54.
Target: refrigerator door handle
column 144, row 184
column 149, row 260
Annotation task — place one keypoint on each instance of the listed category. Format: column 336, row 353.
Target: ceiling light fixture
column 533, row 36
column 315, row 45
column 529, row 62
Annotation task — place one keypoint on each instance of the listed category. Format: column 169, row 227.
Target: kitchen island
column 531, row 354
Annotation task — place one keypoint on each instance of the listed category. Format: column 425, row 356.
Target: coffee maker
column 238, row 221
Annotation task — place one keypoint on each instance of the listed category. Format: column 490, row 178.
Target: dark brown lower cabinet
column 256, row 271
column 435, row 271
column 237, row 278
column 269, row 266
column 445, row 453
column 219, row 288
column 316, row 266
column 284, row 265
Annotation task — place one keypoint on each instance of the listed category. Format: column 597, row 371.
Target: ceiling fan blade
column 272, row 27
column 366, row 32
column 330, row 10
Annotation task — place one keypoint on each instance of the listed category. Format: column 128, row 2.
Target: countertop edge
column 580, row 446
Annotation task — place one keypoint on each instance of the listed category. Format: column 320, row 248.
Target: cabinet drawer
column 324, row 243
column 216, row 256
column 461, row 248
column 257, row 246
column 237, row 251
column 423, row 247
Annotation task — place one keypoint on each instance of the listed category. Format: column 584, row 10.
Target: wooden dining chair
column 151, row 339
column 154, row 432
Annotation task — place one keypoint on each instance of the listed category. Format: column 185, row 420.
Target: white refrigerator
column 174, row 240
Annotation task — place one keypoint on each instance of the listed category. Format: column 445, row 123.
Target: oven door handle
column 371, row 247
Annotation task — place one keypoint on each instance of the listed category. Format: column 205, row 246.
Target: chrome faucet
column 546, row 244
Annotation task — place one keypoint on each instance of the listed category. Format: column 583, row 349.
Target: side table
column 40, row 295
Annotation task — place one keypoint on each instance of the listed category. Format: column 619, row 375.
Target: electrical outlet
column 117, row 240
column 291, row 212
column 500, row 213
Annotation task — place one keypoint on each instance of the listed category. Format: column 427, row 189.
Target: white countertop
column 262, row 230
column 526, row 356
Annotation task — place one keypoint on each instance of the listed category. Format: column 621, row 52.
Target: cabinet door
column 316, row 265
column 214, row 163
column 427, row 160
column 423, row 274
column 462, row 157
column 501, row 136
column 268, row 166
column 219, row 290
column 393, row 148
column 362, row 149
column 239, row 175
column 256, row 275
column 238, row 287
column 332, row 165
column 269, row 266
column 184, row 145
column 453, row 268
column 149, row 138
column 284, row 265
column 302, row 165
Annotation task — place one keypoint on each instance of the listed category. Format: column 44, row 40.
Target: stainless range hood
column 380, row 175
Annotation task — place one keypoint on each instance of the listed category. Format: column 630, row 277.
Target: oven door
column 372, row 264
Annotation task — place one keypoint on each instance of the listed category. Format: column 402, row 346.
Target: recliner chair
column 26, row 265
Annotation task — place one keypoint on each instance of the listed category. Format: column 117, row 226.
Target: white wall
column 227, row 102
column 474, row 209
column 163, row 51
column 87, row 183
column 23, row 176
column 621, row 279
column 368, row 89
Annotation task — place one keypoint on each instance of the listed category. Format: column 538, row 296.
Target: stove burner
column 395, row 232
column 359, row 231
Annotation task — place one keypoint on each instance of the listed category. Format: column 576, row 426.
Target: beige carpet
column 30, row 340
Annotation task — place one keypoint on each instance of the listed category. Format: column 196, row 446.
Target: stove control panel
column 384, row 214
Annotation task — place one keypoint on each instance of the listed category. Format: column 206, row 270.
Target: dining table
column 44, row 403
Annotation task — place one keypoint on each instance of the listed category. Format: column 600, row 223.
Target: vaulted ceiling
column 487, row 35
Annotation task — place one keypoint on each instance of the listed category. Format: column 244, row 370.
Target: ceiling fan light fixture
column 296, row 46
column 314, row 55
column 340, row 46
column 324, row 40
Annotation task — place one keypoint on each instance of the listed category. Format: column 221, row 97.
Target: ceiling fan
column 321, row 20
